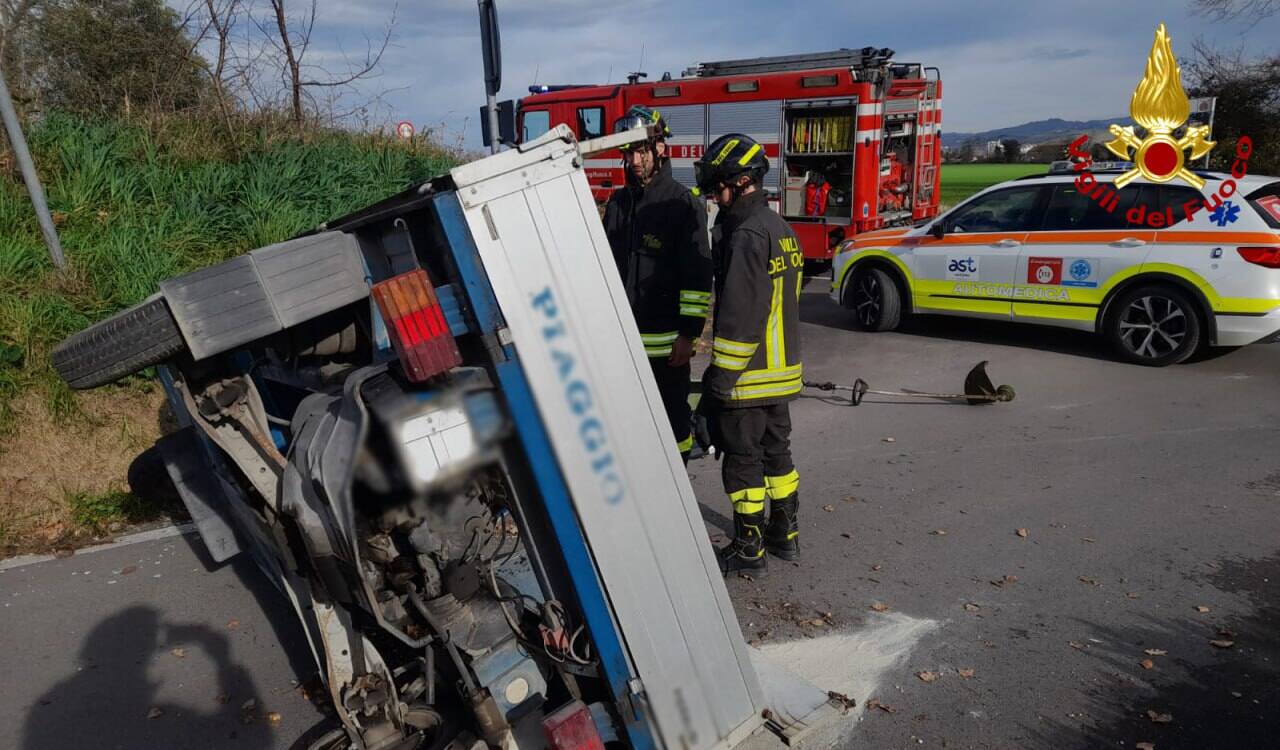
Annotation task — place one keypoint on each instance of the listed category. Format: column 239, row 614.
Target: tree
column 1248, row 92
column 966, row 152
column 109, row 56
column 1043, row 153
column 1012, row 150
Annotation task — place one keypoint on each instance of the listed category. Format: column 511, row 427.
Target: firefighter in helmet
column 755, row 369
column 657, row 229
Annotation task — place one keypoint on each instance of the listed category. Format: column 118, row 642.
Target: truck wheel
column 1155, row 325
column 144, row 335
column 873, row 297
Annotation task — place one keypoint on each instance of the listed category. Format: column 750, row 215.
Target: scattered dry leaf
column 1223, row 643
column 745, row 575
column 232, row 624
column 1147, row 664
column 877, row 567
column 1145, row 746
column 971, row 607
column 845, row 701
column 1202, row 609
column 818, row 623
column 1076, row 645
column 181, row 653
column 155, row 713
column 890, row 440
column 1088, row 539
column 1155, row 652
column 927, row 676
column 1002, row 582
column 875, row 703
column 1090, row 581
column 1023, row 533
column 273, row 717
column 1133, row 595
column 966, row 673
column 126, row 570
column 850, row 499
column 828, row 508
column 880, row 607
column 1159, row 718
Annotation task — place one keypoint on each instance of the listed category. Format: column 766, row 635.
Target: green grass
column 97, row 512
column 138, row 203
column 959, row 181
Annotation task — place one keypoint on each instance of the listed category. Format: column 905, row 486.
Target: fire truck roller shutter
column 688, row 124
column 760, row 120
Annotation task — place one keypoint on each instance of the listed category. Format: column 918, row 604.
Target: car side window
column 1011, row 210
column 1176, row 197
column 590, row 122
column 1070, row 209
column 536, row 122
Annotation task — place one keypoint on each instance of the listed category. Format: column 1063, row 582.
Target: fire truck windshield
column 536, row 122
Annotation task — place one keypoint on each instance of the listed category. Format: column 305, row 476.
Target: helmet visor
column 628, row 123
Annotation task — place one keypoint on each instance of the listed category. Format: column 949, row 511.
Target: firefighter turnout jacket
column 759, row 269
column 659, row 238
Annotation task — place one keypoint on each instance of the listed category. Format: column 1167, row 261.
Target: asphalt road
column 1143, row 495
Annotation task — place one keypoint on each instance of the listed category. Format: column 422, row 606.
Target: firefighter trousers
column 756, row 443
column 673, row 385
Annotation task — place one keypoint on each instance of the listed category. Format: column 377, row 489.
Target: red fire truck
column 852, row 137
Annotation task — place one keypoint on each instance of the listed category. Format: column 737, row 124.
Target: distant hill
column 1040, row 131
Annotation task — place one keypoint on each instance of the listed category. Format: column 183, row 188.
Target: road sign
column 404, row 129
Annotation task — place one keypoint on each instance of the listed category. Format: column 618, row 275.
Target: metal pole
column 29, row 176
column 491, row 48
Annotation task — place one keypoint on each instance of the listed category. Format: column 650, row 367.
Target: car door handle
column 1008, row 243
column 1129, row 242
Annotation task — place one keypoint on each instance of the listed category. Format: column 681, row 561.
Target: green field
column 959, row 181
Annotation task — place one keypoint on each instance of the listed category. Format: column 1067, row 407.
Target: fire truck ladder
column 867, row 57
column 923, row 192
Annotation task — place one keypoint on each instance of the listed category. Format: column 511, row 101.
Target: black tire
column 135, row 339
column 1155, row 325
column 873, row 297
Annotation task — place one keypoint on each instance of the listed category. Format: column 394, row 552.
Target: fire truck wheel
column 873, row 296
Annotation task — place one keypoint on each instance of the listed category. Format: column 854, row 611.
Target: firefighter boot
column 782, row 535
column 746, row 552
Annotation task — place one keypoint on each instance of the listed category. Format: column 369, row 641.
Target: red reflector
column 1268, row 257
column 416, row 325
column 571, row 728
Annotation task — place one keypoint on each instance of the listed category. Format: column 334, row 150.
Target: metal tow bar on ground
column 978, row 389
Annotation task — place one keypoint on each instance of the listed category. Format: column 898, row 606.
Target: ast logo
column 961, row 267
column 1044, row 271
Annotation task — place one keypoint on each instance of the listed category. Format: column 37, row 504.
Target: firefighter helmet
column 642, row 117
column 729, row 156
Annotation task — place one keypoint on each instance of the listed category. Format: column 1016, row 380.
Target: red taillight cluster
column 1268, row 257
column 416, row 325
column 572, row 728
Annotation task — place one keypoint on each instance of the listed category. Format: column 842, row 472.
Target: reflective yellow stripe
column 774, row 338
column 729, row 346
column 770, row 375
column 692, row 295
column 686, row 445
column 783, row 486
column 750, row 153
column 657, row 339
column 725, row 151
column 749, row 500
column 693, row 311
column 767, row 390
column 657, row 351
column 728, row 362
column 799, row 284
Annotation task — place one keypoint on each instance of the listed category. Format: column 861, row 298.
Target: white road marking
column 164, row 532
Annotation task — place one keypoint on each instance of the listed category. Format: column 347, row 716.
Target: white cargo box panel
column 539, row 236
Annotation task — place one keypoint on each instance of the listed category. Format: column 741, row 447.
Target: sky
column 1002, row 63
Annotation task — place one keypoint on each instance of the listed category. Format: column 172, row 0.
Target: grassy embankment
column 959, row 181
column 135, row 204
